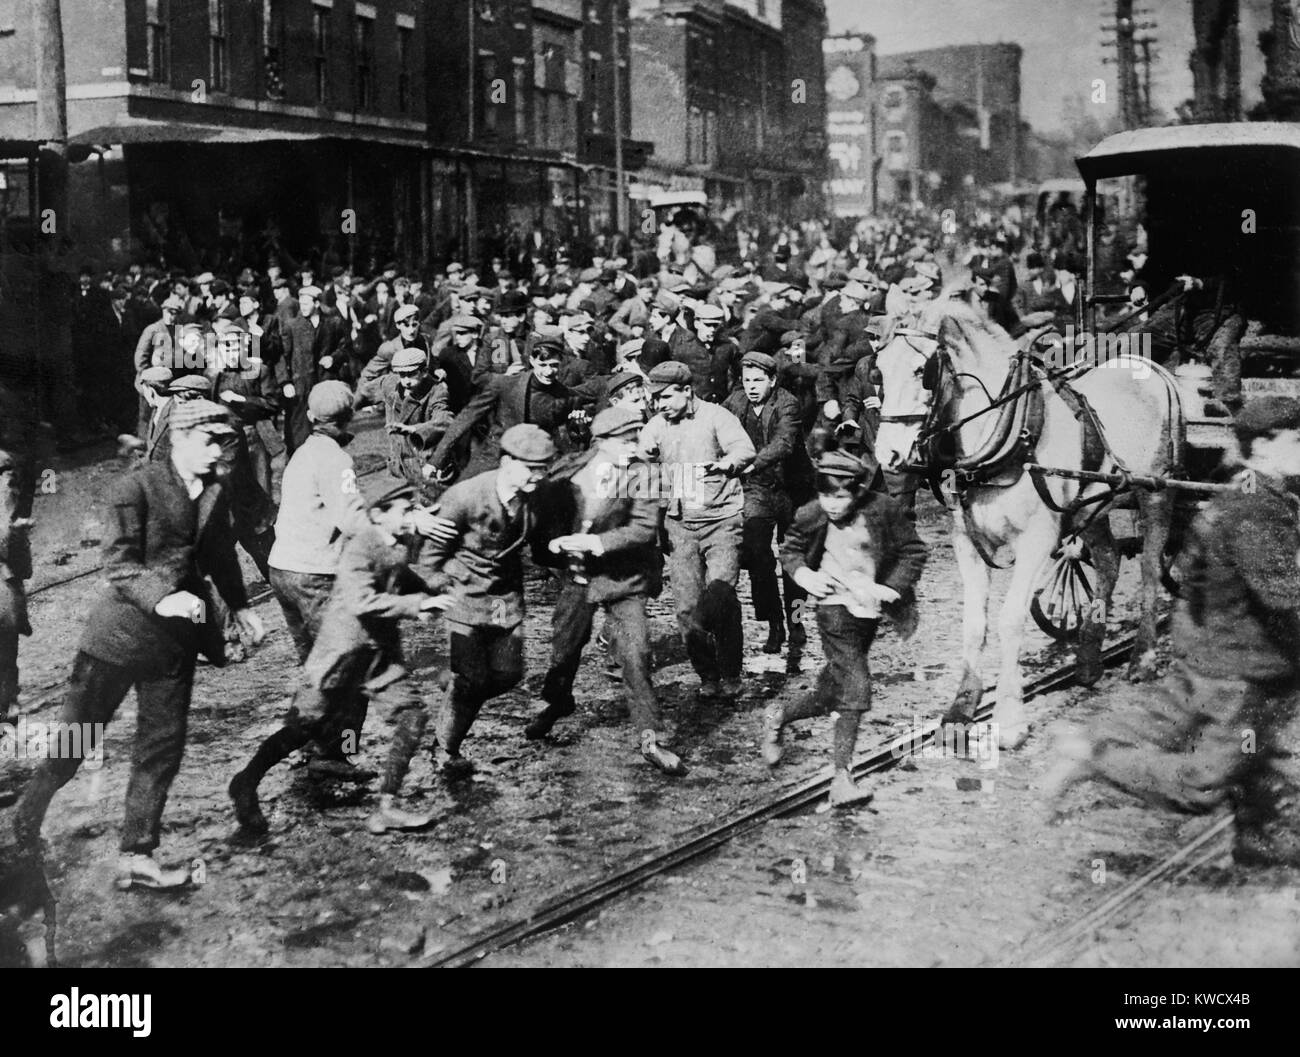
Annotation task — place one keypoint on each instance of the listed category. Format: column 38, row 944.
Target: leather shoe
column 141, row 871
column 391, row 817
column 775, row 637
column 248, row 812
column 340, row 770
column 544, row 720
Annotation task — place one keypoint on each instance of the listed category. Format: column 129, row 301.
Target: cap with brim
column 667, row 302
column 576, row 320
column 915, row 284
column 528, row 443
column 408, row 361
column 309, row 291
column 156, row 377
column 329, row 400
column 401, row 491
column 220, row 287
column 190, row 383
column 759, row 359
column 622, row 380
column 204, row 277
column 201, row 414
column 670, row 372
column 856, row 291
column 841, row 464
column 549, row 344
column 455, row 268
column 279, row 282
column 615, row 422
column 404, row 313
column 174, row 304
column 631, row 348
column 929, row 269
column 707, row 313
column 589, row 275
column 791, row 336
column 466, row 322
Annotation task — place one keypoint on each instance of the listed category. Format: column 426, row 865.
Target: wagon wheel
column 1060, row 605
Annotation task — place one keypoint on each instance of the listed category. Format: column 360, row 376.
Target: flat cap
column 914, row 284
column 200, row 414
column 328, row 401
column 589, row 275
column 279, row 282
column 631, row 347
column 405, row 312
column 1267, row 413
column 929, row 269
column 465, row 321
column 791, row 336
column 401, row 491
column 220, row 286
column 455, row 268
column 754, row 358
column 528, row 443
column 408, row 360
column 622, row 380
column 547, row 343
column 174, row 304
column 190, row 383
column 615, row 421
column 513, row 303
column 774, row 288
column 156, row 377
column 204, row 277
column 575, row 320
column 667, row 302
column 670, row 372
column 855, row 290
column 839, row 463
column 309, row 291
column 707, row 313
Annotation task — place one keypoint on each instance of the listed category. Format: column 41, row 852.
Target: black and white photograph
column 651, row 484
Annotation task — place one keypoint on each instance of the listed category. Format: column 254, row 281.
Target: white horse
column 966, row 360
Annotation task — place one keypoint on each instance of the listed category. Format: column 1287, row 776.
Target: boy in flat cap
column 602, row 532
column 1209, row 734
column 770, row 416
column 172, row 533
column 416, row 414
column 701, row 450
column 857, row 555
column 358, row 653
column 480, row 527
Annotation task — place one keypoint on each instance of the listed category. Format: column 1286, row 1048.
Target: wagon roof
column 1139, row 150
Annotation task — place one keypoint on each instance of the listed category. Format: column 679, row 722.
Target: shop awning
column 142, row 130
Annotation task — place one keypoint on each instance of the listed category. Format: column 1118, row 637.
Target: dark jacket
column 360, row 640
column 627, row 524
column 505, row 401
column 305, row 346
column 426, row 410
column 900, row 553
column 710, row 367
column 163, row 542
column 780, row 447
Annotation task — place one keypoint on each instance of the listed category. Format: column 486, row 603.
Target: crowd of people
column 619, row 430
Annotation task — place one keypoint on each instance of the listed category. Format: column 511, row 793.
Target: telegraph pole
column 620, row 199
column 54, row 377
column 1134, row 96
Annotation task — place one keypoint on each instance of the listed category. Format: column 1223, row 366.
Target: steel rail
column 588, row 896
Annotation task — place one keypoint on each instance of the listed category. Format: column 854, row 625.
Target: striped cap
column 200, row 414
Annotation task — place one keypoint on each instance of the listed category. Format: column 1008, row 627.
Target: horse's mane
column 952, row 311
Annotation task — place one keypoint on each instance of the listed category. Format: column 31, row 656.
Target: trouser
column 756, row 556
column 704, row 566
column 629, row 630
column 326, row 715
column 297, row 427
column 257, row 545
column 144, row 413
column 844, row 683
column 302, row 598
column 13, row 623
column 259, row 457
column 94, row 693
column 1196, row 741
column 485, row 661
column 903, row 487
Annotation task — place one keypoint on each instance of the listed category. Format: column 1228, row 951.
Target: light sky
column 1062, row 41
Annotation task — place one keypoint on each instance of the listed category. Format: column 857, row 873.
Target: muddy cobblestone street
column 954, row 863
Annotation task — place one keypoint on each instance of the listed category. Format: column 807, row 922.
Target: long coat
column 163, row 542
column 305, row 346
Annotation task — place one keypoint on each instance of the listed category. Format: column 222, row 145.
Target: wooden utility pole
column 620, row 199
column 54, row 374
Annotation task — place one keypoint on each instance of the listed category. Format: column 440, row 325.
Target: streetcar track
column 582, row 899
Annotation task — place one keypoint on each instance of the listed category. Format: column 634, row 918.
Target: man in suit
column 172, row 530
column 315, row 349
column 510, row 400
column 597, row 526
column 770, row 416
column 707, row 354
column 459, row 359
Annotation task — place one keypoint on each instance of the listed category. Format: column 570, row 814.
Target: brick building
column 199, row 128
column 732, row 95
column 521, row 101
